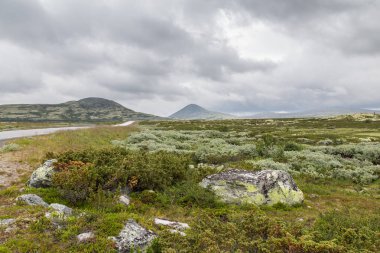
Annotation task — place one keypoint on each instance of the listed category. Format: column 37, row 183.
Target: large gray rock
column 133, row 237
column 32, row 200
column 42, row 177
column 267, row 187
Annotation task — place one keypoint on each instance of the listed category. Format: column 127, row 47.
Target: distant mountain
column 84, row 110
column 312, row 113
column 194, row 111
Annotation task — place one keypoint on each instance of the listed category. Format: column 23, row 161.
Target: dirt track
column 10, row 171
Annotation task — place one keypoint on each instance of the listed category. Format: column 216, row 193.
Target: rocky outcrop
column 42, row 177
column 267, row 187
column 133, row 237
column 32, row 200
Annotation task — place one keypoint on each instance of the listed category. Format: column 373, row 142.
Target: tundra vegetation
column 334, row 161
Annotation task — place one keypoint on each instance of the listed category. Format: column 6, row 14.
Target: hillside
column 194, row 111
column 84, row 110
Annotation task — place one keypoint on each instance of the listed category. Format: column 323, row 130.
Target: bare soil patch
column 11, row 172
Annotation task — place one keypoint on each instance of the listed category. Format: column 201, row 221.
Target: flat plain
column 334, row 161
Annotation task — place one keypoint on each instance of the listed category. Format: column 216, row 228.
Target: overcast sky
column 236, row 56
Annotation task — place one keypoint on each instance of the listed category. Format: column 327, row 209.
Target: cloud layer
column 237, row 56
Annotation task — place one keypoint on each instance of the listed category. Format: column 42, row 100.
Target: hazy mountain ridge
column 193, row 111
column 84, row 110
column 311, row 113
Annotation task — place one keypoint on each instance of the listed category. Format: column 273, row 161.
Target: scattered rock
column 62, row 209
column 173, row 224
column 85, row 237
column 42, row 176
column 174, row 231
column 32, row 200
column 124, row 199
column 133, row 237
column 7, row 222
column 267, row 187
column 59, row 211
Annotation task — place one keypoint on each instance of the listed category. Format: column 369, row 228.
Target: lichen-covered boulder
column 133, row 237
column 32, row 200
column 42, row 177
column 267, row 187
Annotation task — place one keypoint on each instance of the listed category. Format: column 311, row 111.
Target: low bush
column 82, row 173
column 354, row 231
column 250, row 231
column 75, row 183
column 9, row 148
column 207, row 146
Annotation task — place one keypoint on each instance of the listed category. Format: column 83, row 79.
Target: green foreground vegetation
column 335, row 162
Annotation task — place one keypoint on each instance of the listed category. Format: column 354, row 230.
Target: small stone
column 59, row 211
column 7, row 222
column 174, row 231
column 173, row 224
column 85, row 237
column 191, row 166
column 124, row 199
column 67, row 211
column 32, row 200
column 133, row 236
column 300, row 219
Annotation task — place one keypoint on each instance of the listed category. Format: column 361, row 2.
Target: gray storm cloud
column 156, row 56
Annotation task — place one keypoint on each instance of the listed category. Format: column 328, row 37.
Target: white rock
column 174, row 231
column 32, row 200
column 173, row 224
column 124, row 199
column 85, row 237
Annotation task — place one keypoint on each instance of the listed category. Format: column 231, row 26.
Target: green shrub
column 75, row 184
column 347, row 228
column 9, row 148
column 207, row 146
column 83, row 173
column 250, row 231
column 191, row 194
column 292, row 146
